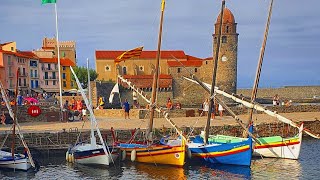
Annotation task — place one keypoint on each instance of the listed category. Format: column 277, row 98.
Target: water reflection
column 276, row 168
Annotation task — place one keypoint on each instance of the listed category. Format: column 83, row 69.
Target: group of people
column 205, row 109
column 170, row 105
column 76, row 105
column 276, row 101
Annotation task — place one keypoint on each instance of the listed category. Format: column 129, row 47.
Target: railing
column 48, row 78
column 34, row 76
column 21, row 74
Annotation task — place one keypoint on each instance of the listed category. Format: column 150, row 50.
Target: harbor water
column 55, row 167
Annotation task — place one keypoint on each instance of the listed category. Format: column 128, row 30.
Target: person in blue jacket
column 126, row 107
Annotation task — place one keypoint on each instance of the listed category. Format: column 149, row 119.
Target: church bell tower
column 227, row 61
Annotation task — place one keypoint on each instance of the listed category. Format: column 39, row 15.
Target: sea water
column 54, row 166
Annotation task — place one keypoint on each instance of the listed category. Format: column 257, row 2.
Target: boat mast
column 216, row 57
column 259, row 67
column 155, row 77
column 15, row 115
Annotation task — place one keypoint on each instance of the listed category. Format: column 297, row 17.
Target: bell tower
column 227, row 61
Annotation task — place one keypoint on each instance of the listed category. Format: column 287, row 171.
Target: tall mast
column 259, row 67
column 15, row 115
column 216, row 57
column 155, row 77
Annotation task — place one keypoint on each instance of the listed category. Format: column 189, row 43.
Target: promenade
column 121, row 123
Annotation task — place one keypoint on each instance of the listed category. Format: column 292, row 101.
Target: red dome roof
column 227, row 17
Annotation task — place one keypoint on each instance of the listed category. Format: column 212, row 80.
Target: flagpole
column 89, row 89
column 58, row 48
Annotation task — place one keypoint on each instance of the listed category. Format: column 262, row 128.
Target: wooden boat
column 273, row 146
column 149, row 152
column 235, row 153
column 91, row 153
column 18, row 162
column 12, row 160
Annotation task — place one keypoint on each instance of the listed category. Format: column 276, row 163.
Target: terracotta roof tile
column 179, row 54
column 63, row 61
column 227, row 17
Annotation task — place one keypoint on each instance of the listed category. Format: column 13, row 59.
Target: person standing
column 220, row 108
column 126, row 107
column 205, row 107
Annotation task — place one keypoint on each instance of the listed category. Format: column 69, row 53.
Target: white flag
column 114, row 90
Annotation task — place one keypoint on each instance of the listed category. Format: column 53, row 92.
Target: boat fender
column 70, row 158
column 189, row 153
column 133, row 155
column 67, row 155
column 123, row 155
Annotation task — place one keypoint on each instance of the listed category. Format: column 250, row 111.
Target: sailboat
column 12, row 160
column 91, row 153
column 235, row 153
column 149, row 152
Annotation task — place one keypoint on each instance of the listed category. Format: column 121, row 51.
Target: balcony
column 49, row 69
column 10, row 75
column 34, row 76
column 23, row 85
column 50, row 78
column 21, row 74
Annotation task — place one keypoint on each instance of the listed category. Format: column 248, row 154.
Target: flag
column 114, row 90
column 136, row 52
column 48, row 1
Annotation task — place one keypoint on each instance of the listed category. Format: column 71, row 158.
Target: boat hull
column 288, row 148
column 231, row 153
column 19, row 162
column 156, row 154
column 86, row 154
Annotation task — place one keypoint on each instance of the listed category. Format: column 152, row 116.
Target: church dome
column 227, row 17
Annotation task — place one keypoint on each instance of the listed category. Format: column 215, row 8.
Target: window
column 124, row 70
column 35, row 73
column 206, row 62
column 56, row 66
column 64, row 84
column 179, row 70
column 37, row 84
column 24, row 82
column 32, row 84
column 72, row 84
column 45, row 75
column 49, row 66
column 63, row 75
column 53, row 75
column 227, row 29
column 64, row 68
column 31, row 73
column 108, row 68
column 141, row 68
column 195, row 69
column 19, row 82
column 12, row 49
column 53, row 82
column 224, row 39
column 63, row 54
column 46, row 82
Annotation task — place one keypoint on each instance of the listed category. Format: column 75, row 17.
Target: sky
column 291, row 56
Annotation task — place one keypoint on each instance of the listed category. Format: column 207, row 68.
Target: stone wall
column 285, row 93
column 63, row 139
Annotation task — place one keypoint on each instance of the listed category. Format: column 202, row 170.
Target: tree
column 82, row 75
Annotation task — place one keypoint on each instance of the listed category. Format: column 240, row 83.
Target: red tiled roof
column 185, row 63
column 145, row 81
column 48, row 47
column 63, row 61
column 18, row 54
column 29, row 54
column 227, row 17
column 179, row 54
column 208, row 58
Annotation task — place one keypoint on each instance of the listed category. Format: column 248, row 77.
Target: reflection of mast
column 216, row 55
column 155, row 77
column 256, row 81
